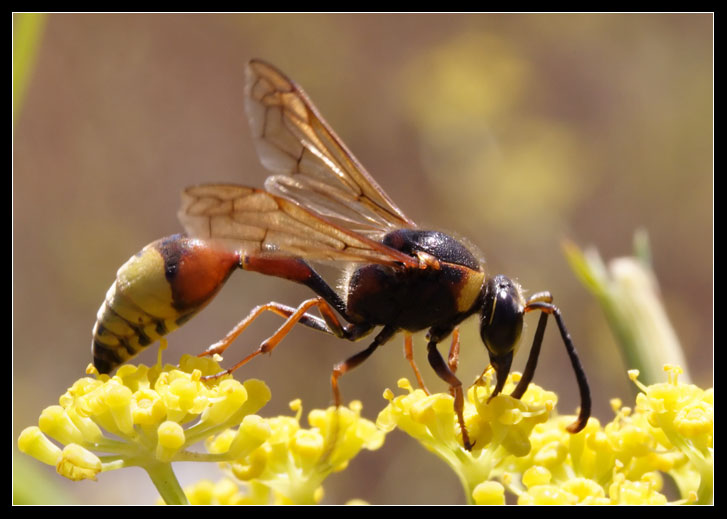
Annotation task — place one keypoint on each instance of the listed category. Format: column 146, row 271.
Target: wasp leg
column 542, row 302
column 409, row 355
column 268, row 345
column 532, row 363
column 277, row 308
column 453, row 358
column 351, row 332
column 351, row 362
column 442, row 370
column 330, row 324
column 298, row 270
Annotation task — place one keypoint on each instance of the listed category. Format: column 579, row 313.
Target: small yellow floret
column 695, row 419
column 536, row 475
column 117, row 399
column 77, row 463
column 489, row 493
column 586, row 490
column 626, row 492
column 230, row 396
column 170, row 439
column 148, row 408
column 307, row 447
column 547, row 495
column 253, row 431
column 57, row 424
column 201, row 493
column 34, row 443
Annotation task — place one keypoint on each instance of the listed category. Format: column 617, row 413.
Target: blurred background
column 516, row 131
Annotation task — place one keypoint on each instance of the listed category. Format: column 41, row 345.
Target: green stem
column 705, row 467
column 166, row 483
column 28, row 30
column 705, row 493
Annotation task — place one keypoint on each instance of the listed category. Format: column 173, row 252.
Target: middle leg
column 347, row 365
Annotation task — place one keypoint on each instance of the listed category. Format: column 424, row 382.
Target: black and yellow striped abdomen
column 155, row 292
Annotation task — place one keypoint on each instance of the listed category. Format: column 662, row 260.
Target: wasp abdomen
column 156, row 291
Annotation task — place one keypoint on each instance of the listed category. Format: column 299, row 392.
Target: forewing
column 312, row 166
column 255, row 221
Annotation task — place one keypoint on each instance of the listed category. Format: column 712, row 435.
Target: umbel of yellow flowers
column 150, row 417
column 521, row 448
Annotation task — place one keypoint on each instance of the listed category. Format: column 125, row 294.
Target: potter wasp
column 321, row 205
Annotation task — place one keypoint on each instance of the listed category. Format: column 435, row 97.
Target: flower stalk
column 628, row 292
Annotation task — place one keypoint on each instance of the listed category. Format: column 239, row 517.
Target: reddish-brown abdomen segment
column 156, row 291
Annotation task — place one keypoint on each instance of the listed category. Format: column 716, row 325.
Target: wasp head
column 501, row 323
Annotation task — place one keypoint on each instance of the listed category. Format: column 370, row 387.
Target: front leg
column 442, row 370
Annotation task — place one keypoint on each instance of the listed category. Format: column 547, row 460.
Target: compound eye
column 501, row 321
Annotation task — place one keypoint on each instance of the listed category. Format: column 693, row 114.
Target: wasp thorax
column 501, row 321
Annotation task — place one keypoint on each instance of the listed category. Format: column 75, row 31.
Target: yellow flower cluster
column 144, row 417
column 519, row 447
column 149, row 417
column 499, row 429
column 293, row 461
column 598, row 466
column 683, row 417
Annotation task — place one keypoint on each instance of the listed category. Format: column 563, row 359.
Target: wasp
column 320, row 205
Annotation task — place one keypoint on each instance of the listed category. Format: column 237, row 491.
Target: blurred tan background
column 514, row 130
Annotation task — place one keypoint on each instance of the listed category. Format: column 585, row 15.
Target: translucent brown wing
column 252, row 220
column 313, row 167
